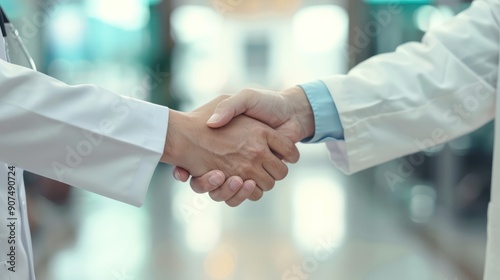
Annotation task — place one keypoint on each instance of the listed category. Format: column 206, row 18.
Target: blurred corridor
column 419, row 217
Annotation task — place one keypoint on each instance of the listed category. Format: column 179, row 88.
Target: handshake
column 235, row 147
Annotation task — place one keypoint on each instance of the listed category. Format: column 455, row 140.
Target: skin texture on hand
column 245, row 147
column 289, row 113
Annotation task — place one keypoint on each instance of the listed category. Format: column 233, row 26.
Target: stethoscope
column 4, row 24
column 9, row 29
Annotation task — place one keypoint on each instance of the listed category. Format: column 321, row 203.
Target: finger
column 283, row 147
column 230, row 108
column 256, row 194
column 243, row 194
column 181, row 174
column 263, row 180
column 275, row 167
column 227, row 190
column 208, row 182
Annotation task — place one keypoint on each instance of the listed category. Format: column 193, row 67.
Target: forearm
column 81, row 135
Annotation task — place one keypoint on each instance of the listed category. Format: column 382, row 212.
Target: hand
column 245, row 147
column 233, row 190
column 290, row 113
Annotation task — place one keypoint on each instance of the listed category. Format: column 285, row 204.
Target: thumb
column 229, row 109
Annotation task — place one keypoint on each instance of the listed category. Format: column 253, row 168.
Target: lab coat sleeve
column 84, row 136
column 421, row 95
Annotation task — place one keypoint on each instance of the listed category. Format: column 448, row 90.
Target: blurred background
column 419, row 217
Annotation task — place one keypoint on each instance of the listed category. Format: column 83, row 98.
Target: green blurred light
column 399, row 1
column 11, row 8
column 153, row 2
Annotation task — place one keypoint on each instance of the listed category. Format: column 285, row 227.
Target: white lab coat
column 84, row 136
column 425, row 94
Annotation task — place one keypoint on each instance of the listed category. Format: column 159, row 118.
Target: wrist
column 174, row 143
column 303, row 112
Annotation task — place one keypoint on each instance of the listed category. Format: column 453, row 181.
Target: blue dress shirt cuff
column 326, row 116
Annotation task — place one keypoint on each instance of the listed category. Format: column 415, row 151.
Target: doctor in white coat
column 396, row 104
column 99, row 141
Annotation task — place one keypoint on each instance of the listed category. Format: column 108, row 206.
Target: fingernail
column 177, row 175
column 249, row 186
column 234, row 184
column 216, row 180
column 214, row 118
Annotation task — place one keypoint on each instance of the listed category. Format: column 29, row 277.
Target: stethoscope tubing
column 4, row 24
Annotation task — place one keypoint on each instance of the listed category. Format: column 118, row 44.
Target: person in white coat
column 396, row 104
column 96, row 140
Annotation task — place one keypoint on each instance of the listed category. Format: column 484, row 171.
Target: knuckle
column 245, row 169
column 197, row 187
column 264, row 133
column 296, row 156
column 233, row 203
column 295, row 153
column 267, row 186
column 256, row 196
column 215, row 196
column 247, row 92
column 271, row 184
column 282, row 173
column 260, row 151
column 256, row 150
column 290, row 148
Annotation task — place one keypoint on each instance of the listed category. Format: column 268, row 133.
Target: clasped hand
column 243, row 149
column 246, row 140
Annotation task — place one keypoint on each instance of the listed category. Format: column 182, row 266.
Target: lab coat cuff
column 326, row 116
column 154, row 142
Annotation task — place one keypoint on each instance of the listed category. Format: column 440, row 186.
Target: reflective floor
column 315, row 224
